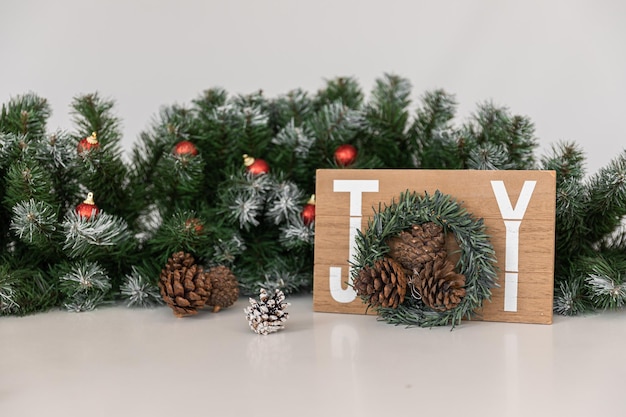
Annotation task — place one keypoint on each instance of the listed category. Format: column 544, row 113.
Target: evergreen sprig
column 139, row 291
column 590, row 255
column 97, row 234
column 34, row 222
column 85, row 284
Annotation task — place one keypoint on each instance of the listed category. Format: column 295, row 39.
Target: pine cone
column 421, row 244
column 224, row 288
column 184, row 285
column 440, row 286
column 383, row 284
column 267, row 315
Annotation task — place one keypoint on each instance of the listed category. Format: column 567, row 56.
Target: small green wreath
column 476, row 262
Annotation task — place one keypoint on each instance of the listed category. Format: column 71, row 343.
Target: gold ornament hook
column 89, row 199
column 247, row 160
column 93, row 139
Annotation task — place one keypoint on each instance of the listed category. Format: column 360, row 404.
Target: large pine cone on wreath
column 421, row 244
column 440, row 287
column 184, row 285
column 224, row 288
column 383, row 284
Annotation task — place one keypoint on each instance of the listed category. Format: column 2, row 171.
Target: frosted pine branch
column 81, row 302
column 240, row 116
column 284, row 202
column 226, row 251
column 82, row 234
column 85, row 286
column 489, row 156
column 33, row 221
column 606, row 291
column 85, row 277
column 139, row 292
column 8, row 304
column 297, row 233
column 568, row 299
column 257, row 184
column 58, row 150
column 246, row 209
column 298, row 138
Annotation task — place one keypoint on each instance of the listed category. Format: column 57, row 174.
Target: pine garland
column 207, row 204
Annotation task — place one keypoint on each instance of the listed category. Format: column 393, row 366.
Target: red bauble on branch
column 195, row 224
column 88, row 143
column 345, row 155
column 185, row 147
column 87, row 209
column 255, row 166
column 308, row 212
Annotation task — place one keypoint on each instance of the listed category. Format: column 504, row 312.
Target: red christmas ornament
column 88, row 143
column 185, row 147
column 87, row 208
column 308, row 212
column 345, row 155
column 194, row 223
column 255, row 166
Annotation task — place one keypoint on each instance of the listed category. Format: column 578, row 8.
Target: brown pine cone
column 439, row 285
column 383, row 284
column 184, row 285
column 415, row 247
column 224, row 288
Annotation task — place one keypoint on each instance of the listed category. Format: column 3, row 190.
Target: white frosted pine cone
column 267, row 315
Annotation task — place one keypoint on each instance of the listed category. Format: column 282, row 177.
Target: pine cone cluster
column 384, row 284
column 267, row 315
column 186, row 287
column 417, row 259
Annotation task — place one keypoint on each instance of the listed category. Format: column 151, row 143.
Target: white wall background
column 563, row 63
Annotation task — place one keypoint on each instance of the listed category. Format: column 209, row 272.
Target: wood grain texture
column 474, row 191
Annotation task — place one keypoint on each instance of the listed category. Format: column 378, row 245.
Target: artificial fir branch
column 103, row 169
column 84, row 237
column 607, row 198
column 607, row 282
column 185, row 231
column 91, row 113
column 139, row 290
column 431, row 135
column 488, row 156
column 292, row 108
column 27, row 180
column 44, row 176
column 341, row 89
column 284, row 202
column 588, row 213
column 386, row 115
column 8, row 297
column 493, row 124
column 85, row 285
column 34, row 222
column 25, row 290
column 26, row 115
column 297, row 138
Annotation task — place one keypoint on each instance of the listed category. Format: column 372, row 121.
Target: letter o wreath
column 476, row 262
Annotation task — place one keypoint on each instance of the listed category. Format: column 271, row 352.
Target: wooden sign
column 518, row 208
